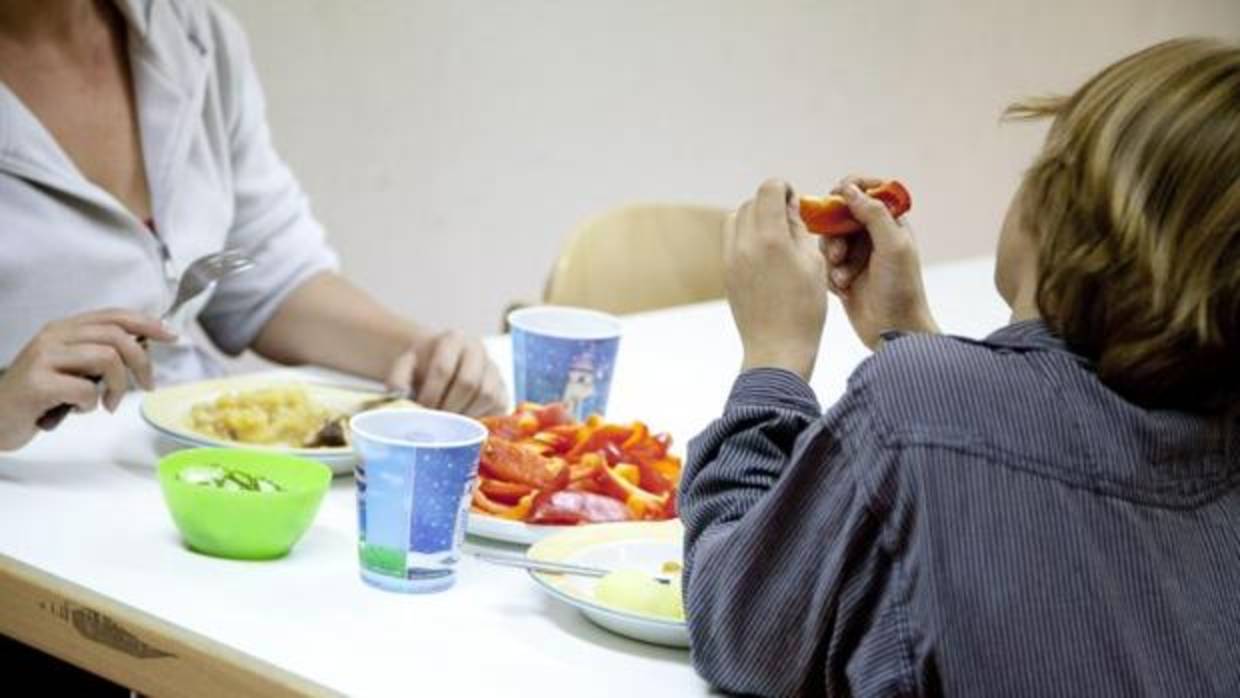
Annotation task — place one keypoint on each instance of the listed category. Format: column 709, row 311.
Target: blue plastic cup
column 415, row 476
column 562, row 354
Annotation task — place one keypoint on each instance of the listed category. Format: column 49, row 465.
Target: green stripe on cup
column 381, row 560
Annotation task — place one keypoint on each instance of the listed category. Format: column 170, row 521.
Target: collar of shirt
column 1026, row 334
column 1021, row 336
column 136, row 13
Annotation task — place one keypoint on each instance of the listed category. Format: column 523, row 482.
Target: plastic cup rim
column 515, row 321
column 407, row 443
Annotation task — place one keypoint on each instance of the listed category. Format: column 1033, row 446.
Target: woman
column 132, row 141
column 1053, row 510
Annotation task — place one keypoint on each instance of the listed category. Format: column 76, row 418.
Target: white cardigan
column 67, row 246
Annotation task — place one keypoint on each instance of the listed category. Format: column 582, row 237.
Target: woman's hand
column 329, row 322
column 62, row 363
column 776, row 282
column 453, row 373
column 876, row 274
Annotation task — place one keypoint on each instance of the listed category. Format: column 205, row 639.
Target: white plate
column 519, row 532
column 167, row 411
column 639, row 545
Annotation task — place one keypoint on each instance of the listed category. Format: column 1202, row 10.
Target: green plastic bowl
column 239, row 524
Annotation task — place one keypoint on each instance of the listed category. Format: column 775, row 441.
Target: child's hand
column 776, row 282
column 876, row 274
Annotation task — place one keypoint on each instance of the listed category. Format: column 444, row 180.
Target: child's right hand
column 56, row 367
column 876, row 274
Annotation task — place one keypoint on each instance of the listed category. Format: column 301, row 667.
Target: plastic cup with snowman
column 563, row 354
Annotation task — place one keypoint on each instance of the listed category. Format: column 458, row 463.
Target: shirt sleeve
column 785, row 563
column 272, row 219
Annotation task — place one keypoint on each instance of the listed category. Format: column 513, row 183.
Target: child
column 1053, row 510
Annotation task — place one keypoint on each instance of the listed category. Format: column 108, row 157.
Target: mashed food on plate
column 639, row 592
column 273, row 416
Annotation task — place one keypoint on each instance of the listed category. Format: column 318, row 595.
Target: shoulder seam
column 1190, row 493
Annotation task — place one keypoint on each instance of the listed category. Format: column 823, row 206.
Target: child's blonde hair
column 1135, row 205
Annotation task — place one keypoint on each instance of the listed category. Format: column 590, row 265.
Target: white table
column 83, row 529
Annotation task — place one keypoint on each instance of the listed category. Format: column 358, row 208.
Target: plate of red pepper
column 541, row 471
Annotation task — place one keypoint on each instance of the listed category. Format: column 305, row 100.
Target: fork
column 525, row 563
column 203, row 272
column 198, row 277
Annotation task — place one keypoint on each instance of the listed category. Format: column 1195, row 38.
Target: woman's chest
column 71, row 247
column 88, row 109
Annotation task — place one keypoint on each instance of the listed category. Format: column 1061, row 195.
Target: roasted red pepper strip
column 830, row 215
column 669, row 468
column 641, row 433
column 551, row 442
column 517, row 512
column 562, row 439
column 606, row 480
column 600, row 437
column 611, row 452
column 554, row 415
column 652, row 480
column 504, row 460
column 503, row 426
column 671, row 509
column 628, row 471
column 571, row 508
column 650, row 449
column 584, row 476
column 503, row 492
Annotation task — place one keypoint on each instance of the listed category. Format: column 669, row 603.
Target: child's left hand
column 776, row 281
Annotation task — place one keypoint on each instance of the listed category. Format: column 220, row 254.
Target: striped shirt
column 972, row 518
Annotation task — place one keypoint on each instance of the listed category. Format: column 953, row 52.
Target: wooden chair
column 641, row 257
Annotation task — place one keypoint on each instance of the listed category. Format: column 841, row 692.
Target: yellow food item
column 276, row 416
column 638, row 592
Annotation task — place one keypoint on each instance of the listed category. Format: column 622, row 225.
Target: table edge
column 129, row 646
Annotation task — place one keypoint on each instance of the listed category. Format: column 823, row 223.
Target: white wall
column 449, row 146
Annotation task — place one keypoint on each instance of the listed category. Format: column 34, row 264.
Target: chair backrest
column 641, row 257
